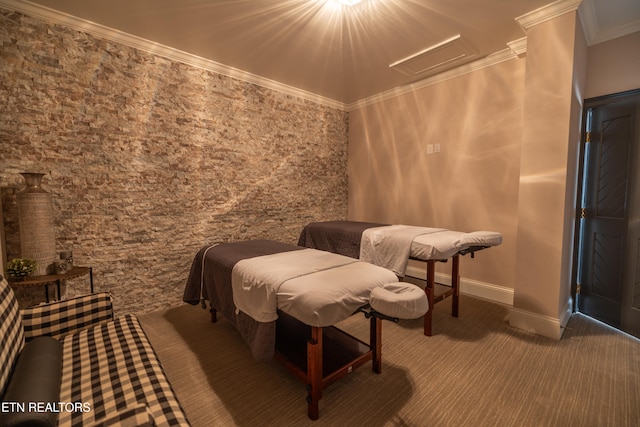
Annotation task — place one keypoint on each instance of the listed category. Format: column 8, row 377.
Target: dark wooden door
column 607, row 193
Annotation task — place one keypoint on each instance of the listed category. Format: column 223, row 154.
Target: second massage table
column 284, row 299
column 391, row 246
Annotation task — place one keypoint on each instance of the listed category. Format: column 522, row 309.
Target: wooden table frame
column 453, row 291
column 306, row 351
column 54, row 279
column 320, row 364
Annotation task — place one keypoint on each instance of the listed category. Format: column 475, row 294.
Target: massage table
column 392, row 246
column 284, row 300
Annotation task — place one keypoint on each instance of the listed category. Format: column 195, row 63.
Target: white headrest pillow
column 399, row 299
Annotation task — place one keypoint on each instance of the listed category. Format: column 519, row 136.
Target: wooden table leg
column 314, row 372
column 429, row 290
column 375, row 343
column 455, row 284
column 58, row 289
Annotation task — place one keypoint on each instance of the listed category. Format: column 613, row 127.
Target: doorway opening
column 607, row 275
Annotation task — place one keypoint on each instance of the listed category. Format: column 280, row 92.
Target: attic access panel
column 437, row 58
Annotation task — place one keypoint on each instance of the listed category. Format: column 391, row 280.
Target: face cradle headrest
column 399, row 299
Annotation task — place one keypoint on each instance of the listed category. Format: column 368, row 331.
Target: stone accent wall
column 149, row 159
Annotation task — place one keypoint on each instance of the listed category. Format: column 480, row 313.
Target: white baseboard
column 470, row 287
column 533, row 322
column 547, row 326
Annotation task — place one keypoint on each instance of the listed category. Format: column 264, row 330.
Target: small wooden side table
column 54, row 279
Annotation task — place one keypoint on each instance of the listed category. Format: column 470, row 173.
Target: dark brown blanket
column 216, row 288
column 340, row 237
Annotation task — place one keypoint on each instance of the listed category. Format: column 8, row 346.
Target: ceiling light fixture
column 349, row 2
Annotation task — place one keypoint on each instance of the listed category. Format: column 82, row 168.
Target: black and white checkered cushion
column 134, row 416
column 60, row 318
column 109, row 368
column 11, row 332
column 112, row 367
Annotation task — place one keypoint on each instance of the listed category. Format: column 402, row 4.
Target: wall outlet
column 429, row 148
column 436, row 148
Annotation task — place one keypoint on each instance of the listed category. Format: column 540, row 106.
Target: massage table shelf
column 321, row 356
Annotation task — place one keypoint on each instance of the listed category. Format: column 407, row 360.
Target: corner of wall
column 538, row 324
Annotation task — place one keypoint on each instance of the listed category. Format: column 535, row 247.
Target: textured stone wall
column 149, row 159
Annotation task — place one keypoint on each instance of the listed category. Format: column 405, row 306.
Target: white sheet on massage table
column 391, row 246
column 445, row 244
column 316, row 287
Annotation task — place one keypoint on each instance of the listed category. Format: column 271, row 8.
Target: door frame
column 587, row 105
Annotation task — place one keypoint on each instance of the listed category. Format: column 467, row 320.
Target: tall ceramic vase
column 35, row 215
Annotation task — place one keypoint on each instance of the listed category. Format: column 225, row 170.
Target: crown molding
column 589, row 21
column 593, row 33
column 487, row 61
column 110, row 34
column 588, row 18
column 50, row 15
column 519, row 47
column 614, row 33
column 547, row 12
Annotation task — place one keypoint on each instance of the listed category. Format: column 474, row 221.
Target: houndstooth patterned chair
column 92, row 369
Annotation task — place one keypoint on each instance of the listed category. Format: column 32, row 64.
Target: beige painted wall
column 548, row 165
column 472, row 184
column 510, row 138
column 614, row 66
column 544, row 167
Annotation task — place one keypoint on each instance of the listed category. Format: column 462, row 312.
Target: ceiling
column 338, row 53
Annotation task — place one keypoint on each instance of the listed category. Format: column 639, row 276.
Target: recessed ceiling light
column 349, row 2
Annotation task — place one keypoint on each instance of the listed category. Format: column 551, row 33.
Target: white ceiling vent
column 437, row 58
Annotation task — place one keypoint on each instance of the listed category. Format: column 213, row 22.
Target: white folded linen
column 445, row 244
column 327, row 297
column 318, row 288
column 390, row 246
column 437, row 246
column 255, row 281
column 480, row 238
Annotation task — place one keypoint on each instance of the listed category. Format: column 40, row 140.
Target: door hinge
column 584, row 213
column 578, row 288
column 587, row 136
